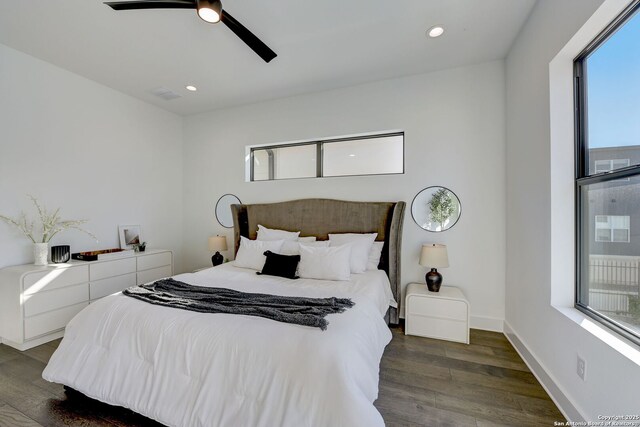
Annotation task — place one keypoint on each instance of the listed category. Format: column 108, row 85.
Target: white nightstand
column 442, row 315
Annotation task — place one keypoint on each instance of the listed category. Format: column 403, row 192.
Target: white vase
column 40, row 253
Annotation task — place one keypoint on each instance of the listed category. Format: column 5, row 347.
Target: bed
column 184, row 368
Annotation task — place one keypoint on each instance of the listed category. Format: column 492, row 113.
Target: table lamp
column 217, row 244
column 434, row 256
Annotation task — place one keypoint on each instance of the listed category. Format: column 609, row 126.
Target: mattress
column 185, row 368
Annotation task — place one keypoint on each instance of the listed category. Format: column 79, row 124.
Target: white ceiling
column 320, row 44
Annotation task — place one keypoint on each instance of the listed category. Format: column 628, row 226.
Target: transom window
column 377, row 154
column 607, row 96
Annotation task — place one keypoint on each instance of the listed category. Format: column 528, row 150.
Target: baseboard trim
column 33, row 342
column 564, row 404
column 487, row 323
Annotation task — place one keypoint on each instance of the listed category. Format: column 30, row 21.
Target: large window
column 359, row 155
column 607, row 91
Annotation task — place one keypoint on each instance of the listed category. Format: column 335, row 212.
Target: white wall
column 554, row 336
column 94, row 152
column 454, row 123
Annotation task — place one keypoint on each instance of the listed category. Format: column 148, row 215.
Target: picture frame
column 130, row 236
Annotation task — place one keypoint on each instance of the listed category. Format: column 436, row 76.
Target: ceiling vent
column 164, row 93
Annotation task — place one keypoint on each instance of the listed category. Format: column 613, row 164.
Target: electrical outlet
column 581, row 368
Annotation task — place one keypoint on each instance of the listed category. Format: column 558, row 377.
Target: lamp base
column 434, row 280
column 217, row 259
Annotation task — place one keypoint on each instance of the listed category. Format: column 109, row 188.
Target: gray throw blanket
column 297, row 310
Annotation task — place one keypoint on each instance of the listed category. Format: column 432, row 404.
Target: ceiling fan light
column 210, row 10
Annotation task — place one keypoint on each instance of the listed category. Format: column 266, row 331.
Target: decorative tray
column 102, row 254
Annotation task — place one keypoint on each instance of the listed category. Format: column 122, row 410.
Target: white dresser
column 37, row 302
column 442, row 315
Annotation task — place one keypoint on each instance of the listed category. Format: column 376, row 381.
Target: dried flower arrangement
column 51, row 223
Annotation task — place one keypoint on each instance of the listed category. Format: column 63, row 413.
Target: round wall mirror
column 436, row 209
column 223, row 210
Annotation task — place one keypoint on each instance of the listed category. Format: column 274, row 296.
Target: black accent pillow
column 280, row 265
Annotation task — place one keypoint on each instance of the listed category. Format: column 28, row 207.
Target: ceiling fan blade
column 248, row 37
column 135, row 5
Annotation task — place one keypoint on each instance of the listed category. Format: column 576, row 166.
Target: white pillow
column 251, row 252
column 307, row 239
column 318, row 244
column 361, row 246
column 265, row 233
column 325, row 263
column 293, row 248
column 374, row 255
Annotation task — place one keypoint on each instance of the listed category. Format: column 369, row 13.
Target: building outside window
column 612, row 228
column 607, row 96
column 609, row 165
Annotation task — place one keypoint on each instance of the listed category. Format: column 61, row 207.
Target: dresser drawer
column 55, row 278
column 51, row 321
column 431, row 327
column 102, row 270
column 104, row 287
column 437, row 307
column 153, row 274
column 37, row 302
column 55, row 299
column 147, row 262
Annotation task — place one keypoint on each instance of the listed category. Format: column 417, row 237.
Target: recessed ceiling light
column 436, row 31
column 191, row 88
column 352, row 155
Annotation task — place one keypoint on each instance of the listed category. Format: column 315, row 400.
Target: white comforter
column 184, row 368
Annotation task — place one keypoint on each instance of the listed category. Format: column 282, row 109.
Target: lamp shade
column 434, row 256
column 217, row 243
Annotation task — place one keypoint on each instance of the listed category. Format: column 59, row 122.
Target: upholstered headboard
column 319, row 217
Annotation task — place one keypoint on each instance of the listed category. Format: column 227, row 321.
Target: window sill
column 618, row 343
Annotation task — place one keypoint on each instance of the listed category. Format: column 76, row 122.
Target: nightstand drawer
column 437, row 308
column 451, row 330
column 442, row 315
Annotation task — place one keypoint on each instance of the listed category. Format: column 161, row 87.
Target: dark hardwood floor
column 423, row 382
column 427, row 382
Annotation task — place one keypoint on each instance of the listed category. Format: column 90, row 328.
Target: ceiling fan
column 210, row 11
